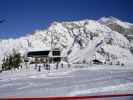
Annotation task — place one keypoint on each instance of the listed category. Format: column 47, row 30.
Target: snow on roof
column 39, row 49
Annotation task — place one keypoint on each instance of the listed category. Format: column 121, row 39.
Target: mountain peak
column 112, row 20
column 109, row 18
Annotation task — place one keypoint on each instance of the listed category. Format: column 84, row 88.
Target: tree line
column 12, row 61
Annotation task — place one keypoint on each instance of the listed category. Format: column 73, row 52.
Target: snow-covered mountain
column 117, row 25
column 80, row 41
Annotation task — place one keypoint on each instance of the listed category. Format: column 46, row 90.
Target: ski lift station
column 45, row 56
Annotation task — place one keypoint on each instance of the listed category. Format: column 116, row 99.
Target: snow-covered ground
column 79, row 80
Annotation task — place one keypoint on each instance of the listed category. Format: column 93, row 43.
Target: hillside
column 80, row 41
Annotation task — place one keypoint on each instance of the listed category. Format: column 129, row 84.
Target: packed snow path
column 71, row 83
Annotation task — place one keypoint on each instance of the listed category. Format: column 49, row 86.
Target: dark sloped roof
column 38, row 53
column 96, row 61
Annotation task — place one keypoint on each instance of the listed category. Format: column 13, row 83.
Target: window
column 56, row 53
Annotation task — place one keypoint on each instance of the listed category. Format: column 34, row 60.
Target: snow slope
column 80, row 41
column 115, row 24
column 111, row 19
column 71, row 82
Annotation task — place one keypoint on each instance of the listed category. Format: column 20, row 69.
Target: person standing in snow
column 39, row 68
column 44, row 65
column 49, row 67
column 62, row 65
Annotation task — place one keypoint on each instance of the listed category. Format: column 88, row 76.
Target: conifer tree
column 12, row 61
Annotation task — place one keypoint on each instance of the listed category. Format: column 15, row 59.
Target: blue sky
column 25, row 16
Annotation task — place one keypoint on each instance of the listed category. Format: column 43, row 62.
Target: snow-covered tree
column 12, row 61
